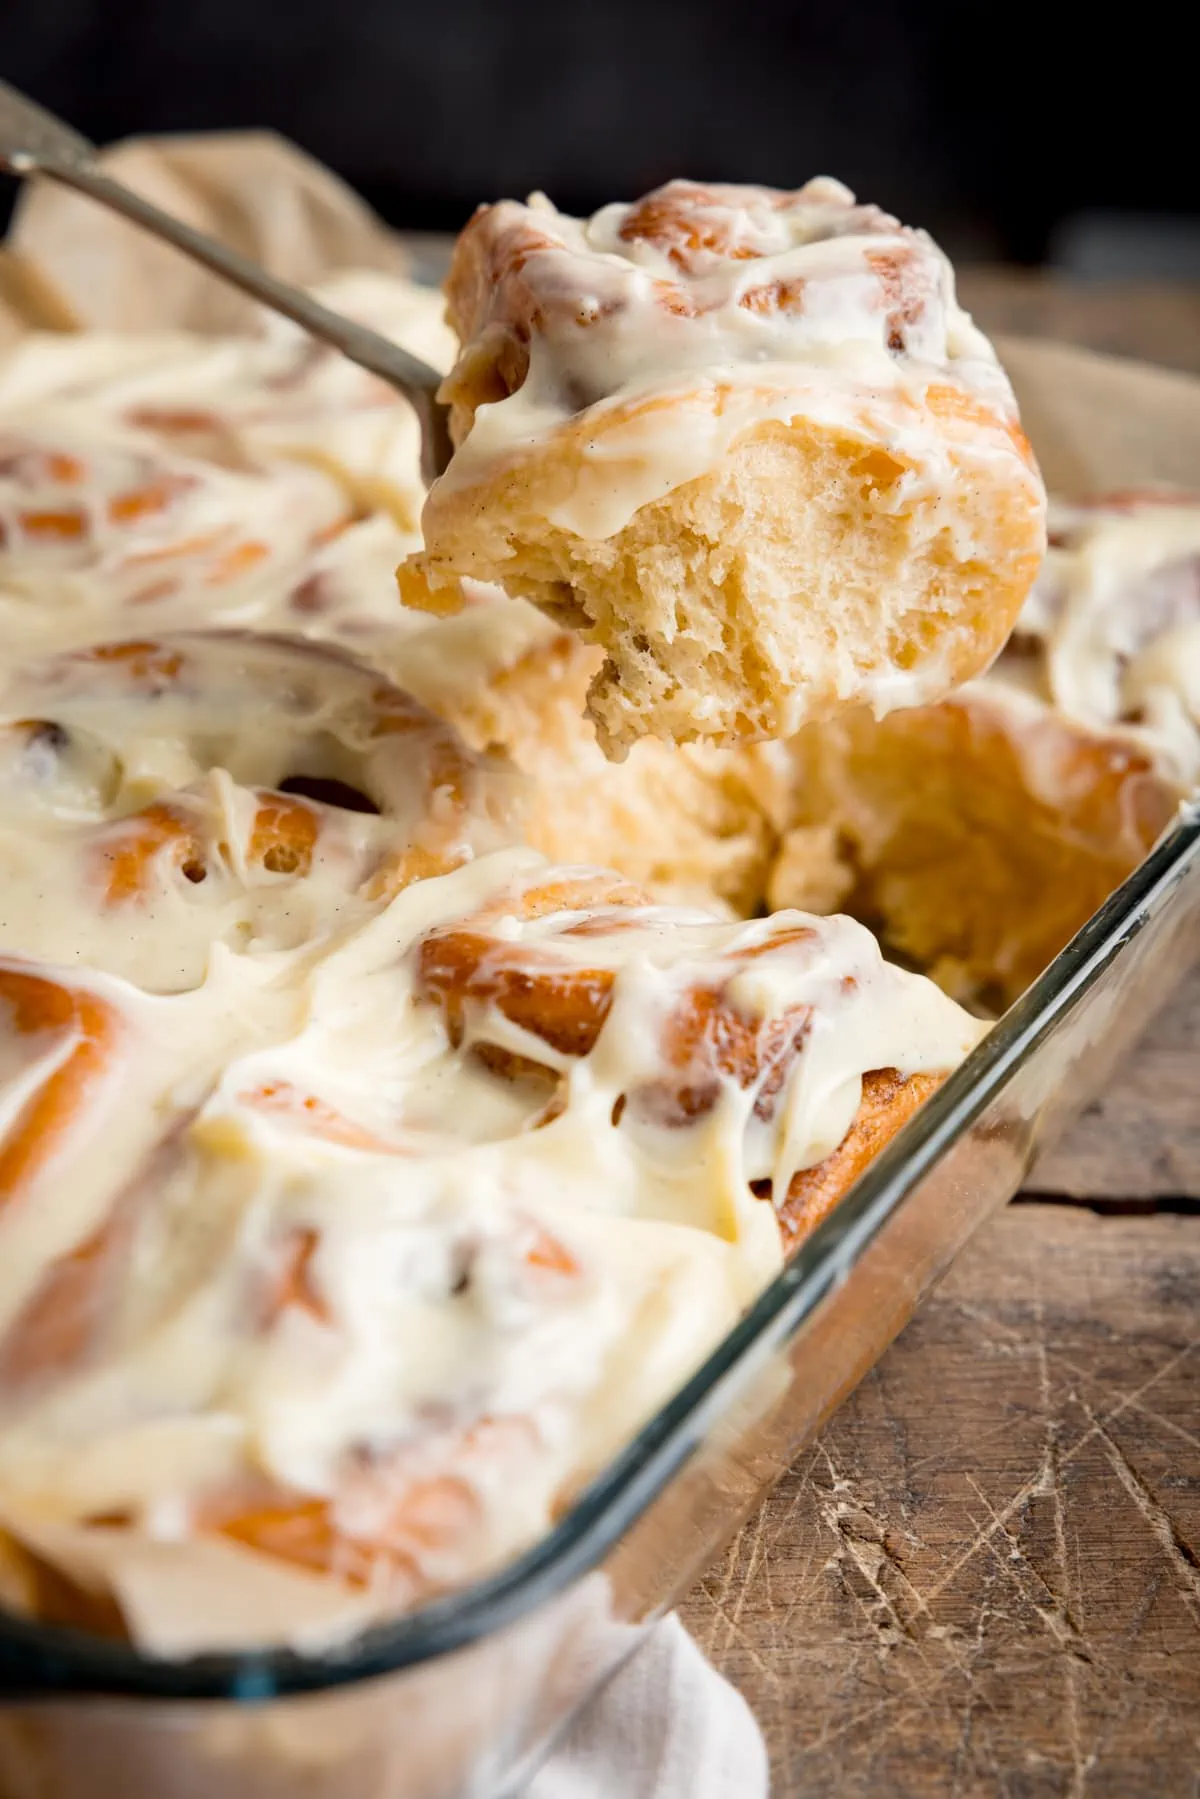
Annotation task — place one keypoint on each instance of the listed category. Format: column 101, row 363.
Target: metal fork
column 34, row 142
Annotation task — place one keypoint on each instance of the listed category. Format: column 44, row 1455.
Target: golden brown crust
column 46, row 1011
column 59, row 1319
column 889, row 1100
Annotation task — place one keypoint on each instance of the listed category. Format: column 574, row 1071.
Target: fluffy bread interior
column 685, row 823
column 808, row 571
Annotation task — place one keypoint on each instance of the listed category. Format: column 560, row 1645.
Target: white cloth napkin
column 668, row 1726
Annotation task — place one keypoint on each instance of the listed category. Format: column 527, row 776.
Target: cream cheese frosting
column 690, row 316
column 364, row 1180
column 1109, row 637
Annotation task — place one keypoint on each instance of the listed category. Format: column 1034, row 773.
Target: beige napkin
column 666, row 1727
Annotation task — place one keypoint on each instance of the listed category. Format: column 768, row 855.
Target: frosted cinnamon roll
column 979, row 835
column 1116, row 614
column 748, row 442
column 166, row 796
column 153, row 895
column 257, row 401
column 102, row 528
column 389, row 1252
column 145, row 715
column 710, row 1024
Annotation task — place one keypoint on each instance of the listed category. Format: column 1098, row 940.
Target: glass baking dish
column 464, row 1697
column 461, row 1700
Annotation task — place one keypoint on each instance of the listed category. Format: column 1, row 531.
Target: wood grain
column 1140, row 1139
column 985, row 1578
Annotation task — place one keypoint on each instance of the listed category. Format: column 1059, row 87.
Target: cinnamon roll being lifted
column 747, row 441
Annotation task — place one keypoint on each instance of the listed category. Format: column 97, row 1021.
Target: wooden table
column 985, row 1578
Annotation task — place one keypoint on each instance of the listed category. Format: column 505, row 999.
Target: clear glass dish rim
column 39, row 1661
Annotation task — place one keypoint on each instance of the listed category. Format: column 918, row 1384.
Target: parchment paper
column 253, row 190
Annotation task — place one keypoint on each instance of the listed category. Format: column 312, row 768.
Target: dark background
column 994, row 126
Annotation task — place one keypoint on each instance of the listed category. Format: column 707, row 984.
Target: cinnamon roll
column 164, row 797
column 98, row 519
column 328, row 1282
column 746, row 441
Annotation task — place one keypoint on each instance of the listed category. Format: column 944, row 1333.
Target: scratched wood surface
column 984, row 1580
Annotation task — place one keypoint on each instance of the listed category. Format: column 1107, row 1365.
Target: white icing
column 1110, row 634
column 668, row 338
column 230, row 1065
